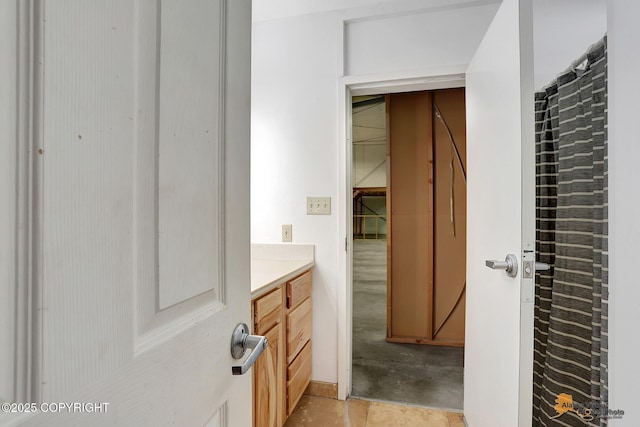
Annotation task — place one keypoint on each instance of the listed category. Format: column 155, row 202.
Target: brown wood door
column 410, row 224
column 427, row 217
column 450, row 217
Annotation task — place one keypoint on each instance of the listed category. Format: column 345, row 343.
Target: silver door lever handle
column 510, row 265
column 241, row 341
column 542, row 266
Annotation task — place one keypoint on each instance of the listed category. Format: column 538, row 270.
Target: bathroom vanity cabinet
column 282, row 373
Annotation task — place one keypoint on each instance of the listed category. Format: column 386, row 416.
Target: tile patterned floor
column 315, row 411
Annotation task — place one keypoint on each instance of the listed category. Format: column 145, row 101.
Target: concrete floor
column 408, row 373
column 313, row 411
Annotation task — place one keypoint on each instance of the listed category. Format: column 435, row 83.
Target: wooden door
column 427, row 221
column 410, row 218
column 448, row 293
column 139, row 160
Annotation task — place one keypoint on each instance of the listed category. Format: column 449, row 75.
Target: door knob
column 510, row 265
column 241, row 341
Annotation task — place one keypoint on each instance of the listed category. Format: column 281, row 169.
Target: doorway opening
column 409, row 236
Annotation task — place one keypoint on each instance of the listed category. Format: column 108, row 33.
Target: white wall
column 563, row 30
column 370, row 165
column 293, row 155
column 369, row 136
column 424, row 40
column 297, row 64
column 624, row 209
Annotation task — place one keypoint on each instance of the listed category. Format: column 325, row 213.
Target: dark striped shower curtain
column 570, row 360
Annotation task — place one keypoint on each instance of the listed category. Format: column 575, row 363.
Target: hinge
column 346, row 244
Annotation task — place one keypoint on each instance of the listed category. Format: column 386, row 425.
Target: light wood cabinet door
column 283, row 371
column 268, row 392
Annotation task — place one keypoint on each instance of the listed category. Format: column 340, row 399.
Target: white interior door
column 501, row 220
column 141, row 118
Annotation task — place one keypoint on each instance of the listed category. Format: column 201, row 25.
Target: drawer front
column 298, row 289
column 268, row 311
column 298, row 377
column 298, row 329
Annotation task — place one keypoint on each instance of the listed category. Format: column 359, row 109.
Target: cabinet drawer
column 298, row 329
column 267, row 311
column 298, row 377
column 298, row 289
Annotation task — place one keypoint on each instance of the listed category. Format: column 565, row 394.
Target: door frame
column 441, row 78
column 27, row 170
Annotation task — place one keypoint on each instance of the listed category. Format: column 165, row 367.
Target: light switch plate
column 286, row 233
column 318, row 205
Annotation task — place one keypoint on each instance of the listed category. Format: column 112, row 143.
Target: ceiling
column 264, row 10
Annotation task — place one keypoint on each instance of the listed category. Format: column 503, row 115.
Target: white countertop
column 274, row 264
